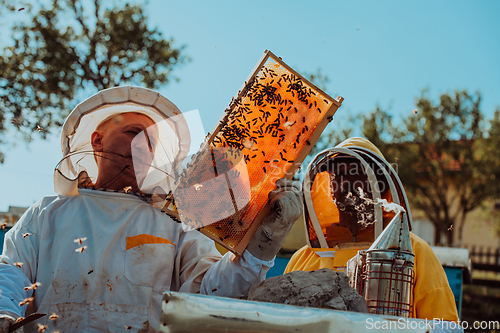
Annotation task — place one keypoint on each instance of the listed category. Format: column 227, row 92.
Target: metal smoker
column 384, row 274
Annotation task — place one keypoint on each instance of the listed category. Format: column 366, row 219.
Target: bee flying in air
column 80, row 240
column 26, row 301
column 33, row 286
column 42, row 328
column 81, row 249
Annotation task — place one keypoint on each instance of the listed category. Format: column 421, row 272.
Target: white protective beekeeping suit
column 103, row 259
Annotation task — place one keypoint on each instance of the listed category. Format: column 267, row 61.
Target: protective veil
column 156, row 172
column 331, row 242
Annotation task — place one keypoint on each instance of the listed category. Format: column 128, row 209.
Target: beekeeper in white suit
column 98, row 256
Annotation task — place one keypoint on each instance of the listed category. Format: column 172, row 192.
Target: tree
column 67, row 49
column 446, row 163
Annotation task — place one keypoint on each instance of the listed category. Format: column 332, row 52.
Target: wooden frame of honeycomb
column 272, row 124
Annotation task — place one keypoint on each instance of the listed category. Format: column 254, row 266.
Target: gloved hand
column 286, row 207
column 5, row 323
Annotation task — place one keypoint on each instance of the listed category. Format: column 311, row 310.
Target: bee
column 3, row 225
column 33, row 286
column 308, row 143
column 26, row 301
column 415, row 111
column 127, row 189
column 18, row 264
column 53, row 316
column 20, row 319
column 450, row 228
column 91, row 271
column 26, row 234
column 81, row 249
column 80, row 240
column 128, row 328
column 39, row 128
column 42, row 328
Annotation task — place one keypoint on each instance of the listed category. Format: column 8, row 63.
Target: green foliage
column 446, row 163
column 65, row 49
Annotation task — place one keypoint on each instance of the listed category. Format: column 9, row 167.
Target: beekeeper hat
column 320, row 210
column 171, row 130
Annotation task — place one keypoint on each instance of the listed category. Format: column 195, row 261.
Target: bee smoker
column 384, row 274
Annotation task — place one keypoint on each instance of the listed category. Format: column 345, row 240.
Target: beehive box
column 264, row 135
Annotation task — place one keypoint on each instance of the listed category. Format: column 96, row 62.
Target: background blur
column 379, row 55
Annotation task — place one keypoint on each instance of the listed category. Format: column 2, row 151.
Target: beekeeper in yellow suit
column 345, row 222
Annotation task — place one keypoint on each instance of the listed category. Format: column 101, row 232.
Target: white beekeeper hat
column 171, row 128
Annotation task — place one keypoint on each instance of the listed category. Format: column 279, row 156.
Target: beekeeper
column 98, row 256
column 341, row 194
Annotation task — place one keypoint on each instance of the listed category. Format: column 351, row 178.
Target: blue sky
column 374, row 52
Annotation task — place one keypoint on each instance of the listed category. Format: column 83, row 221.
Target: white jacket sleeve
column 21, row 248
column 199, row 268
column 12, row 293
column 233, row 277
